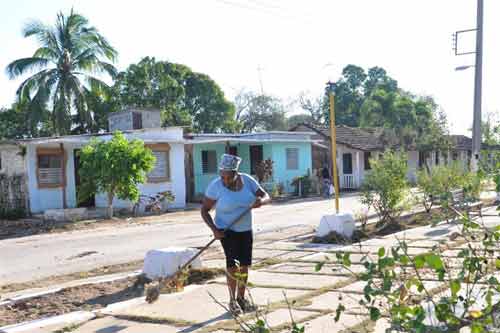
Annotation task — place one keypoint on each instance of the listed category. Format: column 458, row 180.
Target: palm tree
column 70, row 52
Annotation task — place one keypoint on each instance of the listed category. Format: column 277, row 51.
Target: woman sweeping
column 231, row 194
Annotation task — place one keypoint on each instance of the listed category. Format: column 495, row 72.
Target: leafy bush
column 437, row 184
column 264, row 170
column 277, row 190
column 115, row 167
column 385, row 187
column 303, row 185
column 397, row 284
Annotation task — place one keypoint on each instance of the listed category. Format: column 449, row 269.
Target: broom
column 153, row 289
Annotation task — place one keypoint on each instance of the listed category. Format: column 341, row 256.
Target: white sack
column 342, row 223
column 165, row 262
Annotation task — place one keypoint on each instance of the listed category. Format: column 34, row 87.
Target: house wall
column 358, row 167
column 275, row 151
column 11, row 160
column 123, row 121
column 280, row 172
column 42, row 199
column 176, row 184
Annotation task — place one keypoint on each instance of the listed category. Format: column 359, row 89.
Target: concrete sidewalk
column 314, row 296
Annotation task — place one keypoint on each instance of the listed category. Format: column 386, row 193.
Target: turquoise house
column 289, row 151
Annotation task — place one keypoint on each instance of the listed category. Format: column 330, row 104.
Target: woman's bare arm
column 206, row 206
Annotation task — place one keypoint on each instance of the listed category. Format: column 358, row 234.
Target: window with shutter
column 292, row 158
column 50, row 170
column 208, row 161
column 161, row 169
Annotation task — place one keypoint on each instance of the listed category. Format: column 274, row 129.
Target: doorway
column 89, row 202
column 256, row 156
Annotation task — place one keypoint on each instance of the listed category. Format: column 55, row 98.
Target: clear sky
column 298, row 45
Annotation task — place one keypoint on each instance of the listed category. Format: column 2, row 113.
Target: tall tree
column 115, row 167
column 186, row 98
column 315, row 107
column 256, row 112
column 69, row 53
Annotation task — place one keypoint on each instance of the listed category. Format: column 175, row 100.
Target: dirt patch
column 87, row 297
column 54, row 280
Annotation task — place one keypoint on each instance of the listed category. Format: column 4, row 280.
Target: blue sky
column 291, row 41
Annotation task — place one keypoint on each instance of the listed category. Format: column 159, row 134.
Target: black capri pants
column 237, row 247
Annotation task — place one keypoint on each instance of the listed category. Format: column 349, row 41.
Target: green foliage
column 186, row 98
column 303, row 185
column 115, row 167
column 397, row 284
column 437, row 184
column 257, row 112
column 385, row 188
column 69, row 53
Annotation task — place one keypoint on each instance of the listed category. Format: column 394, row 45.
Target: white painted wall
column 42, row 199
column 12, row 162
column 358, row 164
column 177, row 184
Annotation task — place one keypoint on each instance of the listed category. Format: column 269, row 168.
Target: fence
column 12, row 193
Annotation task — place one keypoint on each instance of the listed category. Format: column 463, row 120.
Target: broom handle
column 236, row 220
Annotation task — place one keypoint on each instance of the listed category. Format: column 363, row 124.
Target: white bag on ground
column 166, row 262
column 342, row 223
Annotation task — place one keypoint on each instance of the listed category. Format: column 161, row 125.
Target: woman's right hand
column 218, row 234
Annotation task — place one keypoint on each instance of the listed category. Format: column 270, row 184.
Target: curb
column 76, row 317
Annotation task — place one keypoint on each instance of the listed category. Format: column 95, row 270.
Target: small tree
column 264, row 170
column 385, row 187
column 114, row 167
column 437, row 183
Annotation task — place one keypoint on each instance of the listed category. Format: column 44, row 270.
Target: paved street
column 314, row 296
column 29, row 258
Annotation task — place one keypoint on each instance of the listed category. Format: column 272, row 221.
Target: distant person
column 231, row 194
column 326, row 182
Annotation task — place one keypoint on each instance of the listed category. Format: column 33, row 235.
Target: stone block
column 342, row 223
column 166, row 262
column 65, row 215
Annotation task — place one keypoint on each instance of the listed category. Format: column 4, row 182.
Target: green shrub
column 303, row 185
column 385, row 187
column 436, row 185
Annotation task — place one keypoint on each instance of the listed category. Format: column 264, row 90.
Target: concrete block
column 65, row 215
column 165, row 262
column 342, row 223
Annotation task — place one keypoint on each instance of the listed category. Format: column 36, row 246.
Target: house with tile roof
column 356, row 146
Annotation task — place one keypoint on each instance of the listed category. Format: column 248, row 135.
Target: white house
column 356, row 146
column 52, row 166
column 13, row 192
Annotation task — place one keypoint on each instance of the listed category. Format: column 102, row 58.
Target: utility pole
column 478, row 80
column 333, row 145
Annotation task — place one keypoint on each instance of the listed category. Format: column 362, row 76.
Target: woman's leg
column 231, row 282
column 242, row 281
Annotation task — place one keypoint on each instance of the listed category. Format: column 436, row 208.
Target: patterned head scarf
column 229, row 163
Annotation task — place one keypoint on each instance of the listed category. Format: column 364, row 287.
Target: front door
column 347, row 164
column 90, row 202
column 256, row 156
